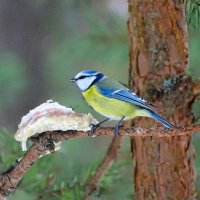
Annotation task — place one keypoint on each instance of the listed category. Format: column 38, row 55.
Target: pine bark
column 164, row 167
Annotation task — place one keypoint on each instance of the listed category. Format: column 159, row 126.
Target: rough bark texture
column 158, row 59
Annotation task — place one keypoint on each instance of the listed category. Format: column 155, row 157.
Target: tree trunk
column 158, row 59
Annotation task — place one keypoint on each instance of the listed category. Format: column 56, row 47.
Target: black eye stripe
column 82, row 77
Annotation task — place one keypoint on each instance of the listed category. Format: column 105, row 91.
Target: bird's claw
column 49, row 145
column 116, row 129
column 93, row 127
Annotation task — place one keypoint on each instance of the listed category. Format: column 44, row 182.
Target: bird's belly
column 110, row 107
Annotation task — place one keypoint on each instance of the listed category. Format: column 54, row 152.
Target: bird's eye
column 82, row 77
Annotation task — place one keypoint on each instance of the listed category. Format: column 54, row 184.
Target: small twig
column 10, row 179
column 103, row 167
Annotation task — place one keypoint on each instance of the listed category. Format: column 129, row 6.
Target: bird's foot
column 49, row 145
column 118, row 126
column 116, row 129
column 93, row 127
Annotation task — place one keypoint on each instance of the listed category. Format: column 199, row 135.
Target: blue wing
column 113, row 89
column 130, row 97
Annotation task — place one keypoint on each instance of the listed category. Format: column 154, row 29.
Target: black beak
column 72, row 79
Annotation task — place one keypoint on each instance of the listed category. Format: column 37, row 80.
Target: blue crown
column 90, row 72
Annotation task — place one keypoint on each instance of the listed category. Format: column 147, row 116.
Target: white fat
column 23, row 143
column 43, row 108
column 85, row 83
column 51, row 116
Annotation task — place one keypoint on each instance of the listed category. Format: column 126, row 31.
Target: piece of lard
column 51, row 116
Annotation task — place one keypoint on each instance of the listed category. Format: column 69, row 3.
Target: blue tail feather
column 161, row 120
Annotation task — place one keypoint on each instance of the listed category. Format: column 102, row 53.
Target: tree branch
column 11, row 178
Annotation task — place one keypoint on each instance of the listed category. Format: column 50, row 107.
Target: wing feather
column 131, row 97
column 113, row 89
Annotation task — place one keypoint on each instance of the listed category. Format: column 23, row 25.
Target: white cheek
column 85, row 83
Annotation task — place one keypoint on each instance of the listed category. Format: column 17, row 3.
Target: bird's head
column 85, row 79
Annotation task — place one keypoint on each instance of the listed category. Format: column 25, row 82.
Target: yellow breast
column 110, row 107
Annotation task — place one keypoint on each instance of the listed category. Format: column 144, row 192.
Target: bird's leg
column 117, row 126
column 94, row 126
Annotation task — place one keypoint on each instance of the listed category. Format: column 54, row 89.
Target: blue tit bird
column 113, row 100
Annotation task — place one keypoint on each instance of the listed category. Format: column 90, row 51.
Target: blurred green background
column 43, row 44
